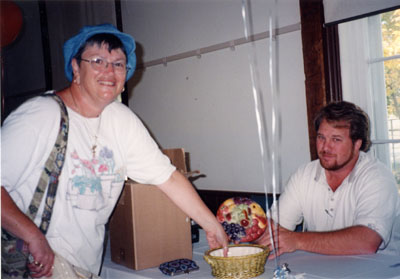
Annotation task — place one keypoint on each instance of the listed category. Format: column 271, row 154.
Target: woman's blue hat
column 72, row 46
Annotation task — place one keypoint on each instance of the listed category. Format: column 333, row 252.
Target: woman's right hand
column 17, row 223
column 218, row 238
column 43, row 256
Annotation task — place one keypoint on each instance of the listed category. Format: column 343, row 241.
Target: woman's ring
column 41, row 266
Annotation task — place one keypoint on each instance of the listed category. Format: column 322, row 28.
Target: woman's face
column 100, row 87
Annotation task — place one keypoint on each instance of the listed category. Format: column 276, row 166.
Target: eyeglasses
column 100, row 64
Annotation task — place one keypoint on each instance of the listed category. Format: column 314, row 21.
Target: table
column 302, row 265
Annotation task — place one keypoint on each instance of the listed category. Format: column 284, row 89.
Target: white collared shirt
column 368, row 196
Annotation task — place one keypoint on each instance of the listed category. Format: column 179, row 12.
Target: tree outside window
column 391, row 51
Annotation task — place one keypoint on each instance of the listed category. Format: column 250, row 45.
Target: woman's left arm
column 182, row 193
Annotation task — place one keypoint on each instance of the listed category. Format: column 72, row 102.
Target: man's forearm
column 349, row 241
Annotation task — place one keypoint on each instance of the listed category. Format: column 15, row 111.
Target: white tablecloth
column 301, row 264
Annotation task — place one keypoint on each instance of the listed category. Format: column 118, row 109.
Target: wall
column 205, row 104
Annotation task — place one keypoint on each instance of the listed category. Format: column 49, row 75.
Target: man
column 347, row 200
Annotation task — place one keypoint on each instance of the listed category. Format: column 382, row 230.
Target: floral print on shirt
column 94, row 181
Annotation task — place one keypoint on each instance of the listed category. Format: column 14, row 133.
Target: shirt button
column 332, row 199
column 331, row 209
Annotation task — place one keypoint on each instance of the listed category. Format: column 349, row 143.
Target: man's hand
column 285, row 241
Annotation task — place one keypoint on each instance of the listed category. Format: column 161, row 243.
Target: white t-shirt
column 88, row 186
column 368, row 197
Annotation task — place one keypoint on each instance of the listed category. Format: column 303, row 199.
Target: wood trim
column 118, row 16
column 321, row 63
column 46, row 45
column 312, row 18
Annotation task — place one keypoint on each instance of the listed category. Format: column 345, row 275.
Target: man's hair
column 112, row 41
column 350, row 113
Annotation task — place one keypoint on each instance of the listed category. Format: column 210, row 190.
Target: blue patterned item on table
column 177, row 267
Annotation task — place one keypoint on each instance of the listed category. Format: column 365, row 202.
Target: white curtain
column 363, row 80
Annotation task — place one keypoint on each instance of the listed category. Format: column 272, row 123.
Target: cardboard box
column 147, row 228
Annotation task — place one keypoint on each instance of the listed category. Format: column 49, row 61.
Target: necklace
column 96, row 135
column 90, row 131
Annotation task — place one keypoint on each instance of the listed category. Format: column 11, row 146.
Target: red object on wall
column 11, row 22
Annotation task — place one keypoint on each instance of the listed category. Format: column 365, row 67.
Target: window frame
column 322, row 68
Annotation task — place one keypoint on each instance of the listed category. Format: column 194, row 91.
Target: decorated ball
column 243, row 219
column 11, row 22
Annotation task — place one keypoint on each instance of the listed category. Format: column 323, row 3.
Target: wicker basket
column 243, row 261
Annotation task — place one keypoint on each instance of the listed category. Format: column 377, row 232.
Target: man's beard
column 337, row 166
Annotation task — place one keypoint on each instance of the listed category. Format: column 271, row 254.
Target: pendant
column 94, row 146
column 94, row 150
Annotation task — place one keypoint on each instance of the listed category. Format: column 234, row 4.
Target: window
column 370, row 67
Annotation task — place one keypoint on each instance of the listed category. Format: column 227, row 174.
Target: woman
column 106, row 143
